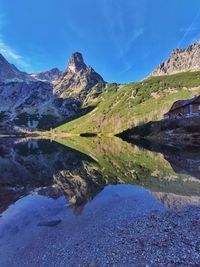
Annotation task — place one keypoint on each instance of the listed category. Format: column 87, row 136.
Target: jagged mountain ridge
column 32, row 101
column 63, row 99
column 50, row 75
column 181, row 60
column 29, row 102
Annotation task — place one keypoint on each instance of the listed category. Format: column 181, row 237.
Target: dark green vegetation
column 183, row 131
column 120, row 107
column 42, row 122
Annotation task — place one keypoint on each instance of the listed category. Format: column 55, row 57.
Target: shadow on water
column 80, row 168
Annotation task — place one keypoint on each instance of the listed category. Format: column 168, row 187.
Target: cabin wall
column 183, row 110
column 196, row 108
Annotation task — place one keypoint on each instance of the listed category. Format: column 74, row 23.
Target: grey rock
column 76, row 63
column 50, row 75
column 181, row 59
column 49, row 223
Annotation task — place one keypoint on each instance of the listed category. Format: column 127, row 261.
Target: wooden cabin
column 184, row 109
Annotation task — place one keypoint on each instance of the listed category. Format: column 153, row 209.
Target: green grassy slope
column 120, row 107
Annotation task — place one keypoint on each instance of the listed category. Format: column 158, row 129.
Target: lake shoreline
column 158, row 238
column 184, row 131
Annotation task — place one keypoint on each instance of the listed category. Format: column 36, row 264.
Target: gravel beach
column 123, row 226
column 169, row 239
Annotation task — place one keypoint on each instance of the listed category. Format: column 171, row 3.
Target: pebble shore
column 122, row 229
column 160, row 239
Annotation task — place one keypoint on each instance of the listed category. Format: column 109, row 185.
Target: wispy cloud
column 10, row 53
column 123, row 39
column 137, row 33
column 190, row 29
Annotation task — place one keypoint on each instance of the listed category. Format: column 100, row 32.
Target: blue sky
column 122, row 39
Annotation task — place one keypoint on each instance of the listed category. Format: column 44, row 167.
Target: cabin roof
column 182, row 103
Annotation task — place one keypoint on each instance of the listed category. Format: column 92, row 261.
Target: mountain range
column 80, row 95
column 43, row 100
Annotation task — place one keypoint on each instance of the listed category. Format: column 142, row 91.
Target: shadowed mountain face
column 80, row 168
column 21, row 94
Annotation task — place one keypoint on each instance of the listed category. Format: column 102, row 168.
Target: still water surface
column 78, row 170
column 76, row 185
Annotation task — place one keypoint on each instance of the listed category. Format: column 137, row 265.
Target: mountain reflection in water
column 80, row 168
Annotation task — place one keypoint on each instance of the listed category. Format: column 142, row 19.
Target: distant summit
column 77, row 78
column 50, row 75
column 181, row 60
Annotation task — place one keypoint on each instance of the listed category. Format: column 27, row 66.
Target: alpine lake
column 70, row 188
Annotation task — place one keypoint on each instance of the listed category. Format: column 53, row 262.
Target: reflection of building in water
column 183, row 159
column 185, row 165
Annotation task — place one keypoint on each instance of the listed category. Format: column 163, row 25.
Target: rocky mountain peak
column 76, row 63
column 78, row 78
column 180, row 60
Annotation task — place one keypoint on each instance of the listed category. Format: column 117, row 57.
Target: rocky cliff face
column 182, row 59
column 29, row 102
column 50, row 75
column 78, row 78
